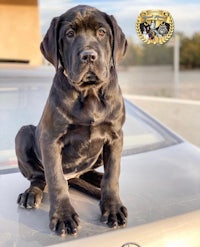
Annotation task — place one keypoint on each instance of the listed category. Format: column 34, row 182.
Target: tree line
column 143, row 54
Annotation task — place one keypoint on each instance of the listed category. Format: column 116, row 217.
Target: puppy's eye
column 101, row 32
column 70, row 33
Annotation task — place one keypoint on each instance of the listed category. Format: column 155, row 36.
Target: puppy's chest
column 82, row 145
column 90, row 110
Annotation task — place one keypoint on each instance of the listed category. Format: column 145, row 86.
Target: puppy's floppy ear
column 119, row 41
column 49, row 45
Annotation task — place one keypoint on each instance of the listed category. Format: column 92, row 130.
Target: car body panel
column 180, row 231
column 153, row 186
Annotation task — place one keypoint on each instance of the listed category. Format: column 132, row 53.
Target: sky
column 185, row 13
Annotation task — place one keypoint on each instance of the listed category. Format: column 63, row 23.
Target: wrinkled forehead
column 85, row 17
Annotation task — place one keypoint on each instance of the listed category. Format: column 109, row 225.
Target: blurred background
column 162, row 79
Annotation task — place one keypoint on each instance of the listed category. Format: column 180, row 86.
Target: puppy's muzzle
column 88, row 56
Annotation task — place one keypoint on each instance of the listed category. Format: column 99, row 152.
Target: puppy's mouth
column 89, row 79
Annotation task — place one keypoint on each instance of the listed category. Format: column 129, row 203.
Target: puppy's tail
column 88, row 183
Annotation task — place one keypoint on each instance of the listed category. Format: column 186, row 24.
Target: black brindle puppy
column 81, row 126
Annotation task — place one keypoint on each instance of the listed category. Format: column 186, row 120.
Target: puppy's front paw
column 114, row 213
column 64, row 219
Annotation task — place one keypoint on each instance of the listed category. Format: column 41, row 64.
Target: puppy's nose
column 88, row 56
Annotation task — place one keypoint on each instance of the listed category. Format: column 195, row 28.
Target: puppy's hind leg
column 93, row 177
column 88, row 183
column 30, row 167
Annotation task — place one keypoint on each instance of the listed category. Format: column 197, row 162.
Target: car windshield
column 143, row 133
column 22, row 98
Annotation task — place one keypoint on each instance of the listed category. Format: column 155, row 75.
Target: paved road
column 159, row 81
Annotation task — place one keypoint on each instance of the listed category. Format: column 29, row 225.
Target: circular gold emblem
column 155, row 26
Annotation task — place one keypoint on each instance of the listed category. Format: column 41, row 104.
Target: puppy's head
column 86, row 43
